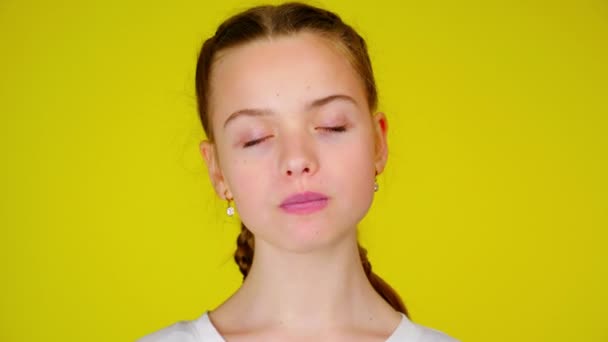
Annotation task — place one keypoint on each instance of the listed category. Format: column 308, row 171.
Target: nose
column 299, row 157
column 295, row 168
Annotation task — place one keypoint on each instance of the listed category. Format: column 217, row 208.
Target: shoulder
column 196, row 330
column 409, row 331
column 182, row 331
column 432, row 335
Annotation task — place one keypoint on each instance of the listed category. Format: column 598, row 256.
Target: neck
column 308, row 290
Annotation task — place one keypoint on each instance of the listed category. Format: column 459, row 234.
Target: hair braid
column 382, row 287
column 243, row 255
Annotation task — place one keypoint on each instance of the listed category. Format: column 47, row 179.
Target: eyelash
column 336, row 129
column 252, row 142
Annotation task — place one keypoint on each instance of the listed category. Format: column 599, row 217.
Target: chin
column 304, row 238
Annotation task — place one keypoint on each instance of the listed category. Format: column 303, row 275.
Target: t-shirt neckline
column 206, row 329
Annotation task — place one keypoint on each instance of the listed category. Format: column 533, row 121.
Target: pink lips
column 304, row 203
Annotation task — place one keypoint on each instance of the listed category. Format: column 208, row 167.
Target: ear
column 380, row 124
column 209, row 153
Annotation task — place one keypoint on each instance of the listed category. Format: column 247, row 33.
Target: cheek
column 355, row 159
column 353, row 169
column 246, row 192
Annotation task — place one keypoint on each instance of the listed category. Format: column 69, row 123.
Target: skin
column 306, row 280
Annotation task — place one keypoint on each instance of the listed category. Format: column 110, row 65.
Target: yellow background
column 491, row 217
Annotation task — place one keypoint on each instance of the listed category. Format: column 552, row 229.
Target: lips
column 304, row 203
column 303, row 197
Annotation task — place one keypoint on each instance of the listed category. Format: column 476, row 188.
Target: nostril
column 306, row 170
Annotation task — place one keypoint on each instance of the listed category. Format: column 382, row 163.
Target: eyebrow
column 312, row 105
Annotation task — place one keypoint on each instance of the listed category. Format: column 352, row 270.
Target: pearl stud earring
column 376, row 186
column 230, row 208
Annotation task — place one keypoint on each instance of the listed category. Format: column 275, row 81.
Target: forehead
column 282, row 73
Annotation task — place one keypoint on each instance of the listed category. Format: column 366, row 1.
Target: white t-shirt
column 202, row 330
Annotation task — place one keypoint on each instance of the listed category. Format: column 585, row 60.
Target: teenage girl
column 287, row 99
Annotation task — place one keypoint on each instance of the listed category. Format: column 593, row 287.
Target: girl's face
column 290, row 116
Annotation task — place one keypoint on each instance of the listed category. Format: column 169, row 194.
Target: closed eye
column 335, row 129
column 254, row 142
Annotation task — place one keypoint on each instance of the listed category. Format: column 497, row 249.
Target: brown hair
column 287, row 19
